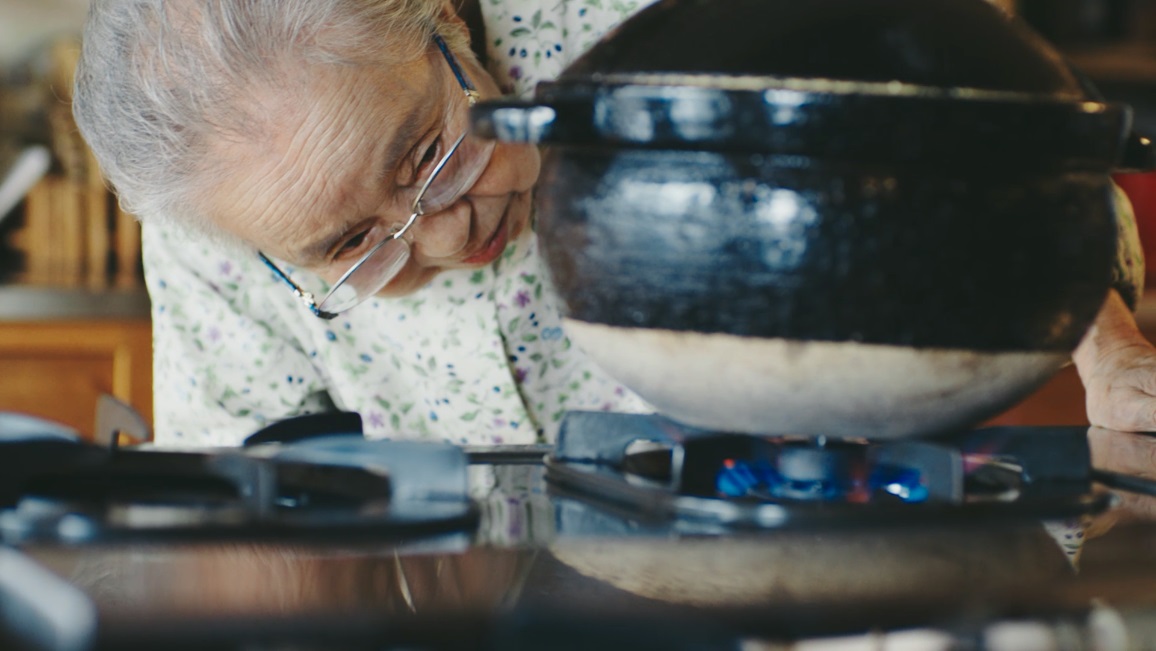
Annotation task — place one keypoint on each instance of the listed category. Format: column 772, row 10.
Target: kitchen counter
column 36, row 303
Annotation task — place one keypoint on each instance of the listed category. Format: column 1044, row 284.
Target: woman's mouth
column 493, row 246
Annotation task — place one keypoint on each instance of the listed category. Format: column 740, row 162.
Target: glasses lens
column 462, row 164
column 458, row 175
column 371, row 275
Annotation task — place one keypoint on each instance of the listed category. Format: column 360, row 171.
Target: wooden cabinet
column 61, row 348
column 57, row 369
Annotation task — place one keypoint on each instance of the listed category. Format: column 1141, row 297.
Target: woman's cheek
column 513, row 169
column 533, row 164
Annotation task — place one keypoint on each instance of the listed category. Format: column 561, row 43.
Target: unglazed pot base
column 792, row 567
column 812, row 388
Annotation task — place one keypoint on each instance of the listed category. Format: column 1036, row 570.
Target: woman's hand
column 1118, row 368
column 1122, row 453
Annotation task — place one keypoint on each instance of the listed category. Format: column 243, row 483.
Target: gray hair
column 159, row 80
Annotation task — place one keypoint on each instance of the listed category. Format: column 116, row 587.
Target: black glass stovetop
column 319, row 476
column 663, row 537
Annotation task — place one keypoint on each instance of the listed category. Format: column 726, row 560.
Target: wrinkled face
column 344, row 165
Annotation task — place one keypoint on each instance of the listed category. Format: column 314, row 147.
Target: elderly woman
column 322, row 232
column 310, row 131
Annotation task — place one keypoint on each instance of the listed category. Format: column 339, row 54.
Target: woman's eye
column 352, row 244
column 429, row 155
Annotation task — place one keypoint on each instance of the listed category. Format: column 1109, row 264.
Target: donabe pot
column 848, row 218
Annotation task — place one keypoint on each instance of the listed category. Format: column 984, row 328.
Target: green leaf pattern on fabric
column 531, row 41
column 477, row 356
column 492, row 366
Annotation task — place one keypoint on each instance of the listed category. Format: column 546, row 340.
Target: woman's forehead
column 328, row 148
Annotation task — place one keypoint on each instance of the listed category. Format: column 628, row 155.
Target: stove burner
column 796, row 470
column 656, row 467
column 336, row 485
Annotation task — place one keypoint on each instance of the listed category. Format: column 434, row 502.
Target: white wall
column 26, row 24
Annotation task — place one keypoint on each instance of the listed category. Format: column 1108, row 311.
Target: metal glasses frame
column 308, row 298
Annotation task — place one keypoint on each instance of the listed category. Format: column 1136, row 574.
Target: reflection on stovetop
column 548, row 558
column 331, row 485
column 543, row 562
column 537, row 562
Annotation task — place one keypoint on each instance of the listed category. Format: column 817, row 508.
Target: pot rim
column 816, row 86
column 893, row 121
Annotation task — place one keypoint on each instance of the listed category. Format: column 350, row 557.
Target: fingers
column 1126, row 454
column 1122, row 452
column 1121, row 407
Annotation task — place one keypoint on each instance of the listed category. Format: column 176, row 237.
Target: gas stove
column 656, row 467
column 632, row 532
column 312, row 477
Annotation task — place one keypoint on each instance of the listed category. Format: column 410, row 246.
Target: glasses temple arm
column 306, row 297
column 463, row 80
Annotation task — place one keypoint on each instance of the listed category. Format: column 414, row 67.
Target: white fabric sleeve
column 220, row 371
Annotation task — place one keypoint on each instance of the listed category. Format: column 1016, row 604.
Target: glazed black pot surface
column 906, row 172
column 723, row 243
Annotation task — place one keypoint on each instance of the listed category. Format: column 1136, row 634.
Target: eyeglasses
column 449, row 180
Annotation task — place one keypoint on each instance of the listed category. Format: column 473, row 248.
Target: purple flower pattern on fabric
column 529, row 41
column 477, row 356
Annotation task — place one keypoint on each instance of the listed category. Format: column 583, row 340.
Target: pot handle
column 1139, row 155
column 509, row 120
column 1139, row 152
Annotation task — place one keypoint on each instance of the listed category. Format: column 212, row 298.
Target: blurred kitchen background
column 73, row 311
column 74, row 315
column 59, row 225
column 1112, row 41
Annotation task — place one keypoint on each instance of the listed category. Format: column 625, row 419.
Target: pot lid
column 945, row 44
column 952, row 82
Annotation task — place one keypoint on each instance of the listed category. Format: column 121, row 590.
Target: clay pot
column 851, row 218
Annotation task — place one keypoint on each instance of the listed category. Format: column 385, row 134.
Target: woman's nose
column 512, row 168
column 442, row 234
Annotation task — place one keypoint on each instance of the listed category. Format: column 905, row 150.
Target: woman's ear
column 451, row 10
column 468, row 13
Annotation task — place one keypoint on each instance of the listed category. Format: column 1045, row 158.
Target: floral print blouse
column 528, row 41
column 475, row 357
